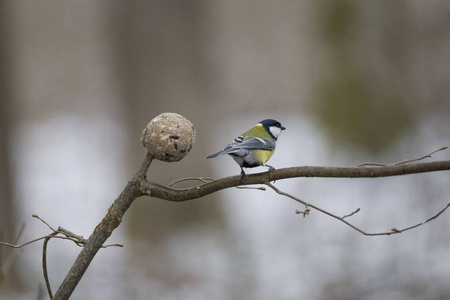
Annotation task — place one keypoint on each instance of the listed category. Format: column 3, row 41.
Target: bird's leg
column 270, row 169
column 242, row 174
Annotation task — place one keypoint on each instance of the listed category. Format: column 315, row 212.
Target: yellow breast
column 262, row 156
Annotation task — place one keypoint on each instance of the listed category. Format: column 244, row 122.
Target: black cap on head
column 271, row 122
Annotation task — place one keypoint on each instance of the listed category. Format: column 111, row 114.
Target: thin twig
column 202, row 179
column 44, row 262
column 423, row 157
column 113, row 245
column 260, row 188
column 78, row 243
column 208, row 179
column 407, row 161
column 438, row 214
column 78, row 239
column 22, row 245
column 420, row 224
column 351, row 214
column 8, row 261
column 37, row 217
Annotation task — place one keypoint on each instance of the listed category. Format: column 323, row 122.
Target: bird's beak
column 283, row 128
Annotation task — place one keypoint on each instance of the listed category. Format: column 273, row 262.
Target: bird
column 254, row 147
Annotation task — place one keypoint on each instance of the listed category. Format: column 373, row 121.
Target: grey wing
column 246, row 143
column 251, row 143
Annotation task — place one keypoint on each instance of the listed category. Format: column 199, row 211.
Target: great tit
column 254, row 147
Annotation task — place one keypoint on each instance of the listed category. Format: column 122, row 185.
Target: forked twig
column 393, row 230
column 315, row 207
column 66, row 235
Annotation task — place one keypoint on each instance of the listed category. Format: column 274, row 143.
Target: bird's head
column 273, row 127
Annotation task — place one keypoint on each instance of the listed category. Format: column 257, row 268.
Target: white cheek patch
column 275, row 131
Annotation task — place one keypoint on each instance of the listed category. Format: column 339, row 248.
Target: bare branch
column 139, row 186
column 171, row 194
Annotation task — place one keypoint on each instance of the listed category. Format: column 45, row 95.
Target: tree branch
column 139, row 186
column 166, row 193
column 103, row 231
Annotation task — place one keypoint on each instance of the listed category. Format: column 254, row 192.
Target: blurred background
column 353, row 81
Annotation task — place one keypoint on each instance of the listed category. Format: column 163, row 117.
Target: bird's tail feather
column 226, row 151
column 215, row 154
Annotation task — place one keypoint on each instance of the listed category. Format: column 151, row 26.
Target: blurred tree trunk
column 7, row 225
column 159, row 52
column 160, row 69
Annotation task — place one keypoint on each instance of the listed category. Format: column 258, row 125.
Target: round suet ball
column 169, row 137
